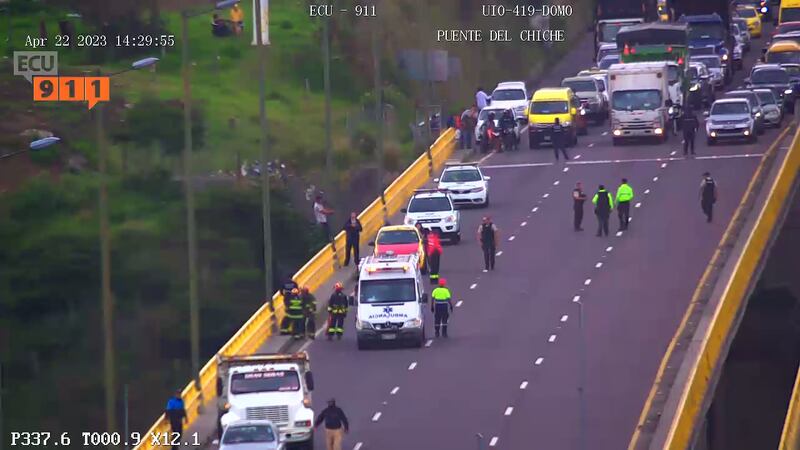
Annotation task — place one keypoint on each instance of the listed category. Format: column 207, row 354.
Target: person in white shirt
column 481, row 99
column 321, row 214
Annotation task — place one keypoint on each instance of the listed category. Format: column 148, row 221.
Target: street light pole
column 582, row 380
column 194, row 313
column 326, row 55
column 376, row 62
column 265, row 194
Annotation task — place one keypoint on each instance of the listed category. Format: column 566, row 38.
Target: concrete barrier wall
column 313, row 274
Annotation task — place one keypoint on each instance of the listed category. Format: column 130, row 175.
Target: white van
column 389, row 301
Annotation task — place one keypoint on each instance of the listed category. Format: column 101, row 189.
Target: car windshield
column 508, row 94
column 707, row 30
column 712, row 62
column 790, row 14
column 792, row 70
column 429, row 204
column 269, row 381
column 739, row 28
column 787, row 27
column 746, row 12
column 694, row 73
column 580, row 85
column 608, row 31
column 387, row 291
column 766, row 98
column 549, row 107
column 606, row 62
column 601, row 83
column 773, row 76
column 636, row 100
column 697, row 51
column 398, row 237
column 248, row 434
column 461, row 176
column 748, row 95
column 783, row 57
column 484, row 115
column 729, row 108
column 605, row 52
column 673, row 74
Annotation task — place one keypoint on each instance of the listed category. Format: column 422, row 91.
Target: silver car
column 715, row 68
column 773, row 113
column 251, row 435
column 730, row 119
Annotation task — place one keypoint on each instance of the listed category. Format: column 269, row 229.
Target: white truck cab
column 639, row 94
column 389, row 301
column 274, row 387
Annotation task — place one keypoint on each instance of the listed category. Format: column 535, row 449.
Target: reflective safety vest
column 441, row 295
column 295, row 309
column 624, row 193
column 337, row 303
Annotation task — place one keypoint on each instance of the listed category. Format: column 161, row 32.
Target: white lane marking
column 512, row 237
column 493, row 442
column 746, row 155
column 577, row 298
column 672, row 153
column 376, row 416
column 608, row 249
column 577, row 157
column 535, row 208
column 394, row 391
column 429, row 343
column 619, row 233
column 552, row 338
column 655, row 178
column 523, row 224
column 514, row 166
column 591, row 144
column 638, row 160
column 663, row 165
column 498, row 253
column 523, row 385
column 605, row 133
column 412, row 366
column 637, row 205
column 485, row 158
column 358, row 446
column 587, row 282
column 566, row 169
column 598, row 265
column 473, row 285
column 555, row 183
column 539, row 361
column 564, row 318
column 459, row 303
column 630, row 219
column 508, row 411
column 647, row 191
column 546, row 195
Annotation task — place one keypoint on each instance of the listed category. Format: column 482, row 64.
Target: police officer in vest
column 337, row 310
column 708, row 195
column 689, row 125
column 624, row 197
column 487, row 236
column 441, row 307
column 296, row 314
column 603, row 204
column 558, row 138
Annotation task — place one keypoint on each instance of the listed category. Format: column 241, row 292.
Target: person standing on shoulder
column 603, row 204
column 488, row 237
column 352, row 229
column 624, row 197
column 441, row 307
column 578, row 198
column 337, row 310
column 321, row 214
column 708, row 195
column 336, row 425
column 558, row 139
column 434, row 255
column 176, row 414
column 469, row 120
column 481, row 99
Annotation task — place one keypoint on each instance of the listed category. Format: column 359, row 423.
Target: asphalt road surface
column 510, row 369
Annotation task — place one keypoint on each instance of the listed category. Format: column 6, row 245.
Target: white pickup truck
column 272, row 387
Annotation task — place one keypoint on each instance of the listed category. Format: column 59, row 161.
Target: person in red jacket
column 434, row 255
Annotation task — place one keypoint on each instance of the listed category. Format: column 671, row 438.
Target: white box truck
column 274, row 387
column 639, row 108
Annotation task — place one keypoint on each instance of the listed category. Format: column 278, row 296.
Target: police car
column 389, row 301
column 466, row 183
column 434, row 210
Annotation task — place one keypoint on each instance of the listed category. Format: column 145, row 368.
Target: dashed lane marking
column 637, row 205
column 376, row 416
column 566, row 169
column 459, row 303
column 577, row 157
column 539, row 361
column 564, row 318
column 647, row 191
column 493, row 441
column 512, row 237
column 394, row 391
column 672, row 153
column 619, row 233
column 598, row 265
column 358, row 446
column 514, row 166
column 605, row 133
column 577, row 298
column 552, row 338
column 591, row 144
column 535, row 208
column 663, row 165
column 556, row 183
column 587, row 282
column 429, row 343
column 617, row 161
column 546, row 195
column 412, row 366
column 508, row 411
column 523, row 224
column 655, row 178
column 609, row 248
column 498, row 253
column 523, row 385
column 473, row 285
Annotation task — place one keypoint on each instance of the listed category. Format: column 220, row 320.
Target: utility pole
column 376, row 63
column 188, row 188
column 262, row 114
column 326, row 55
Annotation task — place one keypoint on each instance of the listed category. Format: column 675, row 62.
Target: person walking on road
column 434, row 255
column 488, row 237
column 481, row 99
column 578, row 198
column 624, row 197
column 441, row 307
column 296, row 314
column 321, row 214
column 603, row 204
column 558, row 139
column 309, row 310
column 352, row 229
column 469, row 120
column 176, row 414
column 689, row 125
column 336, row 425
column 337, row 310
column 708, row 195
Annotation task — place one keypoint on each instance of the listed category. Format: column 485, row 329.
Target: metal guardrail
column 313, row 274
column 695, row 393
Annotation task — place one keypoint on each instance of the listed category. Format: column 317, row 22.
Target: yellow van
column 789, row 11
column 549, row 104
column 783, row 52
